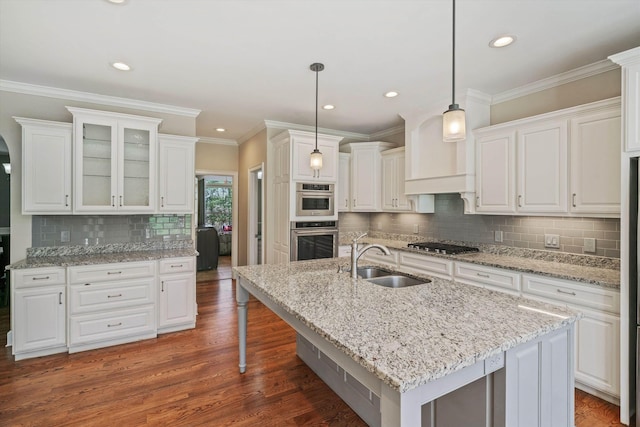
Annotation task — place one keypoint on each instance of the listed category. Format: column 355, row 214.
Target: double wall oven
column 313, row 240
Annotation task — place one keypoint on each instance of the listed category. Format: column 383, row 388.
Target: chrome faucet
column 355, row 254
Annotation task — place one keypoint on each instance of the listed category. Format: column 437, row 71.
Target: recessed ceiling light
column 391, row 94
column 120, row 66
column 328, row 107
column 220, row 129
column 502, row 41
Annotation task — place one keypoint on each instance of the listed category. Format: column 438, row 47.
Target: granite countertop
column 66, row 256
column 410, row 336
column 594, row 270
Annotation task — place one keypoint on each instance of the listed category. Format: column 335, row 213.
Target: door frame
column 252, row 219
column 234, row 207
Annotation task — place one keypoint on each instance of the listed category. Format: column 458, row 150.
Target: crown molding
column 217, row 141
column 272, row 124
column 557, row 80
column 627, row 57
column 94, row 98
column 387, row 132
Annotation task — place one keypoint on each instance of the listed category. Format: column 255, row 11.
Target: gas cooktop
column 442, row 248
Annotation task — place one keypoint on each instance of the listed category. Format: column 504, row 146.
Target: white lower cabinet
column 111, row 304
column 176, row 295
column 38, row 312
column 597, row 356
column 424, row 264
column 487, row 277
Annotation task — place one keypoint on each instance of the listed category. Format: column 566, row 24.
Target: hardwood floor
column 191, row 378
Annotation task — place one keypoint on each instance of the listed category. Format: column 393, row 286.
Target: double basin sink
column 390, row 279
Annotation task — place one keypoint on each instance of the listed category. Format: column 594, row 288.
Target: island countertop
column 410, row 336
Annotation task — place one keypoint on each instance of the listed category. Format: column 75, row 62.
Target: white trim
column 94, row 98
column 557, row 80
column 272, row 124
column 217, row 141
column 234, row 209
column 627, row 57
column 387, row 132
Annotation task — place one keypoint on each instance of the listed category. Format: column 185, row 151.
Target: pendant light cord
column 317, row 109
column 453, row 61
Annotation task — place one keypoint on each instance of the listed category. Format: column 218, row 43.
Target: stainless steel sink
column 397, row 281
column 390, row 279
column 369, row 272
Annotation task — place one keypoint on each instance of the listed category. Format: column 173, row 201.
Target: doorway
column 216, row 213
column 5, row 218
column 255, row 243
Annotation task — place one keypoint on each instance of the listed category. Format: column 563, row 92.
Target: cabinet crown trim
column 117, row 116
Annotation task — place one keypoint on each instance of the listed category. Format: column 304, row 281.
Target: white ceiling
column 243, row 61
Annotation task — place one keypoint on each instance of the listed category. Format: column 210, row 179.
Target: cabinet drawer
column 377, row 256
column 572, row 293
column 31, row 277
column 110, row 272
column 92, row 297
column 177, row 265
column 111, row 325
column 492, row 277
column 434, row 266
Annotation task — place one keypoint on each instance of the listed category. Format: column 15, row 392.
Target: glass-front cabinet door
column 115, row 162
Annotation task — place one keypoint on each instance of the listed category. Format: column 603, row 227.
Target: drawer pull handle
column 565, row 292
column 60, row 298
column 176, row 265
column 66, row 200
column 113, row 201
column 162, row 201
column 114, row 272
column 41, row 278
column 483, row 275
column 573, row 200
column 114, row 296
column 519, row 200
column 114, row 325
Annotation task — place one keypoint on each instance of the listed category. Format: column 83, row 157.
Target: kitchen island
column 420, row 352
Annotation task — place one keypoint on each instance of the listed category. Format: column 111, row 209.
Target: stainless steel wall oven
column 314, row 199
column 314, row 240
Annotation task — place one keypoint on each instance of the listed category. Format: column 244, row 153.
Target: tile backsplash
column 450, row 223
column 107, row 229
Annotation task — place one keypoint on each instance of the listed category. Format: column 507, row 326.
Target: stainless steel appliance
column 442, row 248
column 314, row 240
column 314, row 199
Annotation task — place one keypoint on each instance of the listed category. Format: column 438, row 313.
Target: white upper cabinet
column 303, row 143
column 595, row 163
column 565, row 162
column 495, row 172
column 393, row 171
column 344, row 182
column 630, row 62
column 115, row 162
column 366, row 175
column 176, row 173
column 541, row 171
column 46, row 167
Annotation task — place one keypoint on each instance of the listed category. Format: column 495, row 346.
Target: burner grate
column 442, row 248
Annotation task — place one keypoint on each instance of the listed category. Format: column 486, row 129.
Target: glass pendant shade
column 316, row 160
column 453, row 124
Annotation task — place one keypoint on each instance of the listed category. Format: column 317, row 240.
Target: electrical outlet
column 416, row 228
column 590, row 244
column 552, row 241
column 498, row 236
column 65, row 236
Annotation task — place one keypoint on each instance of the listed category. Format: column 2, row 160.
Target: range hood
column 434, row 166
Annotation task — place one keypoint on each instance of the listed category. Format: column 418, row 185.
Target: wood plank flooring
column 191, row 378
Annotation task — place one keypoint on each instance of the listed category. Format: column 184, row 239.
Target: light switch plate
column 64, row 236
column 590, row 244
column 552, row 241
column 416, row 228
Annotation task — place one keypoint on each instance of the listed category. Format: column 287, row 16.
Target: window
column 217, row 203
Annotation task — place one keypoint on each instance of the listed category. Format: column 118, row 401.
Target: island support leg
column 242, row 297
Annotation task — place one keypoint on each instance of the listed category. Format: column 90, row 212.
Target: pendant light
column 316, row 156
column 453, row 120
